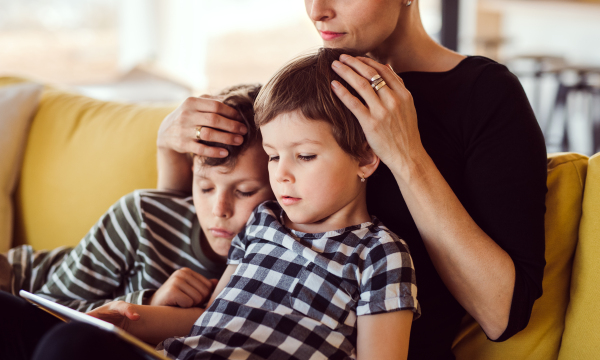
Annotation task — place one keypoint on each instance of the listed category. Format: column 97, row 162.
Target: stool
column 542, row 64
column 588, row 92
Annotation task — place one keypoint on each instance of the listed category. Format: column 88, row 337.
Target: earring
column 362, row 178
column 409, row 3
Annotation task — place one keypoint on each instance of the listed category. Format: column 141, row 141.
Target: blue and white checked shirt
column 297, row 296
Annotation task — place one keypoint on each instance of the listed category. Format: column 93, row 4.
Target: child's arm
column 222, row 283
column 151, row 324
column 384, row 336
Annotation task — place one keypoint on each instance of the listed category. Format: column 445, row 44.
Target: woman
column 464, row 174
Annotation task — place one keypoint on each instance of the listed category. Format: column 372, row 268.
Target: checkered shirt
column 297, row 296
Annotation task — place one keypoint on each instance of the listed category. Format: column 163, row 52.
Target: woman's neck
column 410, row 48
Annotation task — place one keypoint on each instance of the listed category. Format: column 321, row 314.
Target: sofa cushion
column 541, row 338
column 582, row 324
column 82, row 155
column 18, row 102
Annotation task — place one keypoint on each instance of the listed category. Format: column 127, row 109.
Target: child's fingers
column 127, row 310
column 132, row 315
column 190, row 295
column 198, row 277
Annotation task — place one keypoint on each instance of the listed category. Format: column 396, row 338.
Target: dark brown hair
column 304, row 85
column 241, row 98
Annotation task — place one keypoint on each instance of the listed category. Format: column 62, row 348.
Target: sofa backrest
column 81, row 156
column 541, row 339
column 581, row 338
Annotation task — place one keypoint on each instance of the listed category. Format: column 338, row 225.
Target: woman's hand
column 389, row 118
column 477, row 271
column 184, row 288
column 177, row 138
column 177, row 132
column 118, row 313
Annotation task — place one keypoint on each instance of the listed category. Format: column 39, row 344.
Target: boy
column 153, row 240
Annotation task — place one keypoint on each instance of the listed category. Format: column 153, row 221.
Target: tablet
column 67, row 314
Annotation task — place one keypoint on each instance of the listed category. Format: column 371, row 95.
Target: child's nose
column 283, row 172
column 222, row 208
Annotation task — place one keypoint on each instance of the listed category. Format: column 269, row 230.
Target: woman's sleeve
column 505, row 182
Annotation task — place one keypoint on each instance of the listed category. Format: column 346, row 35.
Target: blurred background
column 166, row 50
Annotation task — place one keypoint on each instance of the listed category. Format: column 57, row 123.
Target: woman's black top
column 477, row 125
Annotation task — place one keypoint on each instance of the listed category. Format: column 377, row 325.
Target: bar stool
column 586, row 87
column 542, row 64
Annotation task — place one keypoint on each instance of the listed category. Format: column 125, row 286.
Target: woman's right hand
column 177, row 132
column 177, row 138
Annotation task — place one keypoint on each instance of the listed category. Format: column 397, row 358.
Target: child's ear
column 368, row 163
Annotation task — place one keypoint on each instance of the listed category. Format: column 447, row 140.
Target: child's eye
column 307, row 157
column 247, row 194
column 273, row 158
column 204, row 191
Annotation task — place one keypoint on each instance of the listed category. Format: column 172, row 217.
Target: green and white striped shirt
column 132, row 250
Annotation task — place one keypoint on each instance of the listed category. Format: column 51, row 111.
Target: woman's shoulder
column 475, row 77
column 482, row 72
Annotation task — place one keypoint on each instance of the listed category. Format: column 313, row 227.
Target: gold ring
column 198, row 129
column 380, row 85
column 376, row 77
column 376, row 82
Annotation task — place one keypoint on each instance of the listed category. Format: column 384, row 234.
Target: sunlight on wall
column 203, row 44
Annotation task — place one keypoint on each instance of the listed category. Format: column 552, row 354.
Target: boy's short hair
column 241, row 98
column 304, row 85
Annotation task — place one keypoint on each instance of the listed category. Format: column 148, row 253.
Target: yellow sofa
column 83, row 154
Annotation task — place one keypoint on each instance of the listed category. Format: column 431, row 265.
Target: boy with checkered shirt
column 312, row 275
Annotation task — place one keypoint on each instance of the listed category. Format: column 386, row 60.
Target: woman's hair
column 241, row 98
column 304, row 85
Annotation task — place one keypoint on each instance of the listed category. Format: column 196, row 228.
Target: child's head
column 226, row 190
column 317, row 150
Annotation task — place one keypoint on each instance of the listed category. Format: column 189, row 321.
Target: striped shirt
column 130, row 252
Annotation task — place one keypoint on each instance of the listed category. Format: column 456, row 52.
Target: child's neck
column 353, row 213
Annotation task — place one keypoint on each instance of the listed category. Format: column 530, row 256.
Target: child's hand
column 184, row 288
column 118, row 313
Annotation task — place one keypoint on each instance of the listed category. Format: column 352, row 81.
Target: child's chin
column 301, row 219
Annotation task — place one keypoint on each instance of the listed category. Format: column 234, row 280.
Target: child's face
column 313, row 179
column 224, row 198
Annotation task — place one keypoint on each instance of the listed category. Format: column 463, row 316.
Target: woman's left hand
column 389, row 118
